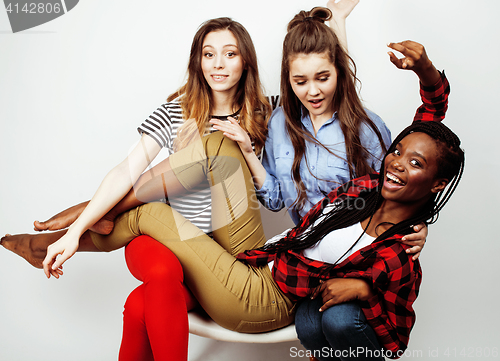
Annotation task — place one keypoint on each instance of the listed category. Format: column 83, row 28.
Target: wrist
column 74, row 230
column 249, row 155
column 364, row 290
column 428, row 74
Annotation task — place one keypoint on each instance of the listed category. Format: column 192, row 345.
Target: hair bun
column 320, row 14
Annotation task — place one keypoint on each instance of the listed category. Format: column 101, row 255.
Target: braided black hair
column 346, row 212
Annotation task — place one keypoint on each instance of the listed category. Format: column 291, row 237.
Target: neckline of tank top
column 224, row 117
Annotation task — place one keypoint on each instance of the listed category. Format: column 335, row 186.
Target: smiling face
column 221, row 62
column 314, row 80
column 410, row 170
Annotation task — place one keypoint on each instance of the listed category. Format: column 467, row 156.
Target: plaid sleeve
column 435, row 101
column 396, row 280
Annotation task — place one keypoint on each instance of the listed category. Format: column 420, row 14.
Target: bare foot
column 32, row 248
column 65, row 218
column 62, row 219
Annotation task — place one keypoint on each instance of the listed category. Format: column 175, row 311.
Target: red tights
column 155, row 324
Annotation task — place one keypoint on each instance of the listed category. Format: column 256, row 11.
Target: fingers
column 416, row 240
column 233, row 131
column 57, row 272
column 233, row 121
column 61, row 259
column 412, row 53
column 342, row 8
column 331, row 302
column 415, row 57
column 407, row 48
column 394, row 59
column 47, row 266
column 224, row 126
column 411, row 238
column 318, row 289
column 52, row 264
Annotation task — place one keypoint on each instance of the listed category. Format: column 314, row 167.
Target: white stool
column 202, row 325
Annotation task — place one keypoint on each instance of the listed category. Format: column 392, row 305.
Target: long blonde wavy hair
column 195, row 95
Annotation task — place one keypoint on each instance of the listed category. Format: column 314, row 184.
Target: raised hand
column 342, row 8
column 340, row 290
column 414, row 58
column 414, row 53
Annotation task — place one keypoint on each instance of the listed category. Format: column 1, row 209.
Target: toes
column 39, row 226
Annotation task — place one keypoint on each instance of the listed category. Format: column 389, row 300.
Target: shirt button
column 287, row 153
column 312, row 167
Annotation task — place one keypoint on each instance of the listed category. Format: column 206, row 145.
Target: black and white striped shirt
column 162, row 125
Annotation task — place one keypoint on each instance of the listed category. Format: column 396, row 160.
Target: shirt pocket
column 338, row 170
column 284, row 160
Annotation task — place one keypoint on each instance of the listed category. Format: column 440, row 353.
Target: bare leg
column 65, row 218
column 33, row 247
column 150, row 186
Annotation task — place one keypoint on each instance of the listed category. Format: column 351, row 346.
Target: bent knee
column 343, row 319
column 148, row 260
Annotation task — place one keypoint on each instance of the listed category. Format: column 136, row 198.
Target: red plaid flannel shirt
column 395, row 278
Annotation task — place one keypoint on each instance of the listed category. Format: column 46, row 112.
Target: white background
column 73, row 91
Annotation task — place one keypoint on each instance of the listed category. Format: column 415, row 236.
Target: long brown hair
column 196, row 93
column 307, row 33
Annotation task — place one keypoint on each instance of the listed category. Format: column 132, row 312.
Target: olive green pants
column 237, row 296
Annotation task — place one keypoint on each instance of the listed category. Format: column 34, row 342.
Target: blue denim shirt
column 323, row 172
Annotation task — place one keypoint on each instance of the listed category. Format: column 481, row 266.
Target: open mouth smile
column 391, row 178
column 219, row 77
column 316, row 103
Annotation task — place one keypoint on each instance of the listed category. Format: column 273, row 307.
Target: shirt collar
column 306, row 120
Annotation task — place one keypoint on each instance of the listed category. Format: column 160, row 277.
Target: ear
column 439, row 185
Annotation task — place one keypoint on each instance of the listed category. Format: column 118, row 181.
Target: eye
column 231, row 54
column 208, row 55
column 396, row 152
column 323, row 79
column 300, row 82
column 415, row 163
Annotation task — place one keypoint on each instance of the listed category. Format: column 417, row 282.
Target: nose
column 219, row 62
column 313, row 89
column 396, row 164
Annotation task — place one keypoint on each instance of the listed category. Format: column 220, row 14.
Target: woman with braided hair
column 353, row 233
